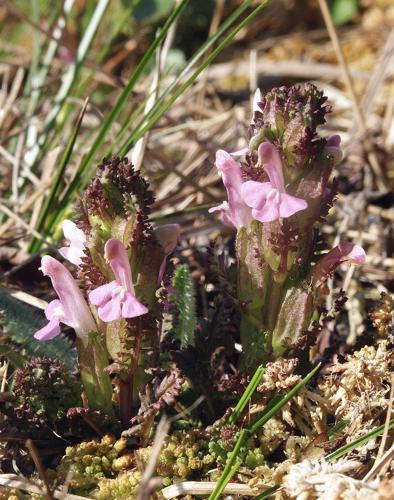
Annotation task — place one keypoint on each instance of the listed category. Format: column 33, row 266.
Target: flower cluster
column 120, row 261
column 276, row 198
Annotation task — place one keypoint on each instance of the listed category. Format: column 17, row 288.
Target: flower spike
column 116, row 299
column 269, row 200
column 71, row 307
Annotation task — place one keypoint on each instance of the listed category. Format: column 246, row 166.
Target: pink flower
column 168, row 237
column 345, row 252
column 234, row 211
column 71, row 307
column 269, row 200
column 77, row 238
column 117, row 299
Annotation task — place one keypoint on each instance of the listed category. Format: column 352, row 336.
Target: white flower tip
column 72, row 232
column 256, row 99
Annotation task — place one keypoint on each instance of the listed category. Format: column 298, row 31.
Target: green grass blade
column 338, row 428
column 272, row 408
column 267, row 493
column 347, row 448
column 82, row 175
column 50, row 203
column 270, row 411
column 126, row 92
column 156, row 115
column 252, row 386
column 69, row 78
column 196, row 56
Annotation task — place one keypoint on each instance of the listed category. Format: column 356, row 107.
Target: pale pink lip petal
column 53, row 309
column 268, row 213
column 222, row 206
column 132, row 307
column 255, row 193
column 116, row 299
column 49, row 331
column 72, row 254
column 102, row 294
column 72, row 232
column 290, row 205
column 111, row 310
column 240, row 152
column 77, row 238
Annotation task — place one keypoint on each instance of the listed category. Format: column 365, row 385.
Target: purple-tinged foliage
column 44, row 391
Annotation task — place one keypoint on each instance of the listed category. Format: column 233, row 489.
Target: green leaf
column 182, row 296
column 249, row 391
column 20, row 322
column 343, row 11
column 348, row 447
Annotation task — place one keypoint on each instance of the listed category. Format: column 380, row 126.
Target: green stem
column 93, row 359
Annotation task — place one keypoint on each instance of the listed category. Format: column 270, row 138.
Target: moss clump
column 123, row 487
column 91, row 461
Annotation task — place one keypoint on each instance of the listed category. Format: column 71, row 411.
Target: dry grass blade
column 20, row 483
column 358, row 113
column 204, row 488
column 144, row 490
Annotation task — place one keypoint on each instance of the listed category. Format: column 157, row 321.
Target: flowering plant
column 120, row 260
column 275, row 199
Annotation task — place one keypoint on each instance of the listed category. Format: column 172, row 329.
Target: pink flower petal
column 72, row 232
column 268, row 213
column 72, row 254
column 103, row 293
column 290, row 205
column 240, row 152
column 76, row 311
column 116, row 254
column 344, row 252
column 54, row 310
column 238, row 212
column 269, row 157
column 255, row 193
column 111, row 310
column 49, row 331
column 352, row 253
column 132, row 307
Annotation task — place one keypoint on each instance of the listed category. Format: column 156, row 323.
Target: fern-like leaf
column 20, row 322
